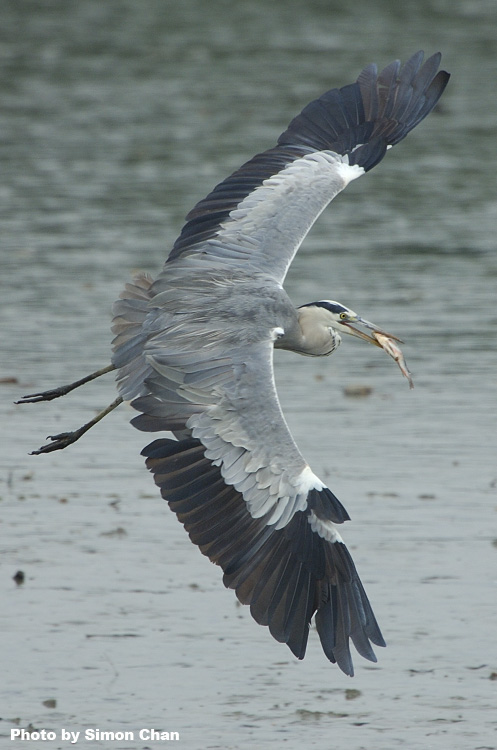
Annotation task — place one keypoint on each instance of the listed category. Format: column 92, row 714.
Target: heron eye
column 344, row 316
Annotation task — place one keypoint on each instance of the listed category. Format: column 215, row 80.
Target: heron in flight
column 193, row 352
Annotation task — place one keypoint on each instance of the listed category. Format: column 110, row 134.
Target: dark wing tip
column 346, row 614
column 397, row 99
column 377, row 111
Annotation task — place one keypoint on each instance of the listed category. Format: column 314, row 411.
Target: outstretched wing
column 285, row 575
column 260, row 214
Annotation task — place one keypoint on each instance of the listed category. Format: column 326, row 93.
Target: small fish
column 388, row 344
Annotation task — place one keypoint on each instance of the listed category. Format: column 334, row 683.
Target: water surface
column 115, row 118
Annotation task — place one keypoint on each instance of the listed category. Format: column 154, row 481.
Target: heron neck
column 309, row 337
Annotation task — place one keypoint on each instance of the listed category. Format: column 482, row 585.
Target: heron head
column 343, row 320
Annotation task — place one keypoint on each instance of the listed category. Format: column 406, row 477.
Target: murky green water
column 115, row 118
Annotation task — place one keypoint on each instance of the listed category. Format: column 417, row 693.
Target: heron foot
column 33, row 398
column 62, row 390
column 63, row 439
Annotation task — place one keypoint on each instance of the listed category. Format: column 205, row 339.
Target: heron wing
column 286, row 575
column 261, row 213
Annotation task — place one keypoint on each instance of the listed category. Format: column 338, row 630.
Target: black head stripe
column 333, row 307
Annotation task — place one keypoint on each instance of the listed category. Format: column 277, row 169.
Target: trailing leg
column 62, row 390
column 63, row 439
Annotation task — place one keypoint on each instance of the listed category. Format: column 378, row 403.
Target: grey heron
column 193, row 353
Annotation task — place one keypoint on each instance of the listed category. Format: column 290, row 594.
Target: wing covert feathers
column 286, row 575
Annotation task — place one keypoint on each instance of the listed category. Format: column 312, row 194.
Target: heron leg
column 62, row 390
column 63, row 439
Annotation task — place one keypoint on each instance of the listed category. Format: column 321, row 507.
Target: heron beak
column 360, row 334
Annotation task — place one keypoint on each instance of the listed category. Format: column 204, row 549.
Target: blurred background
column 115, row 119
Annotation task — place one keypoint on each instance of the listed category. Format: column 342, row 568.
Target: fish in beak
column 372, row 327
